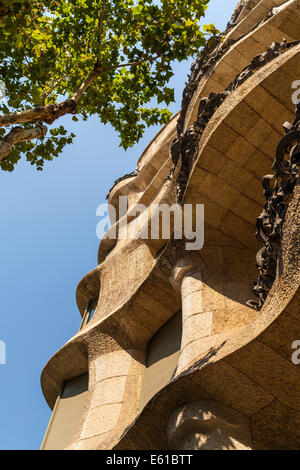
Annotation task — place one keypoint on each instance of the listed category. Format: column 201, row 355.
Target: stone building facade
column 173, row 352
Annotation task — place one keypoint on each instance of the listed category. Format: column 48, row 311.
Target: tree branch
column 46, row 114
column 137, row 62
column 45, row 95
column 17, row 135
column 53, row 111
column 50, row 113
column 100, row 28
column 87, row 82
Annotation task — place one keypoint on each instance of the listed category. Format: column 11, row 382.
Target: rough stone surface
column 234, row 358
column 208, row 425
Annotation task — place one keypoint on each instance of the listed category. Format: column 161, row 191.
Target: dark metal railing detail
column 124, row 177
column 278, row 195
column 209, row 57
column 206, row 60
column 186, row 145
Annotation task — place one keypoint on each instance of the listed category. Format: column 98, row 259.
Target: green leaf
column 49, row 48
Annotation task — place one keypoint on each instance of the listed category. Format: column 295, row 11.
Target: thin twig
column 137, row 62
column 87, row 82
column 100, row 28
column 45, row 95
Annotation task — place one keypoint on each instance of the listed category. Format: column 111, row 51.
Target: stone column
column 113, row 399
column 196, row 321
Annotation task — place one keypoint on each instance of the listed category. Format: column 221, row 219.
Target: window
column 67, row 414
column 163, row 353
column 89, row 312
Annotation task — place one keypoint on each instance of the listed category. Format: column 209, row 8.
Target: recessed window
column 162, row 357
column 89, row 312
column 67, row 414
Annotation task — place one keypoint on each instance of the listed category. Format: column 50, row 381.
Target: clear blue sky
column 48, row 242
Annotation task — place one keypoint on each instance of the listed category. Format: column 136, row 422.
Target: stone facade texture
column 234, row 385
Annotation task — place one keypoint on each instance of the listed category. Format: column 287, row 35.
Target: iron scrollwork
column 270, row 222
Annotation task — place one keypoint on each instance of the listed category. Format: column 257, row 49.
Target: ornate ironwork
column 205, row 61
column 186, row 145
column 270, row 222
column 124, row 177
column 209, row 57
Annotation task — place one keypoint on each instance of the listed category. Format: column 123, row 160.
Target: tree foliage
column 109, row 58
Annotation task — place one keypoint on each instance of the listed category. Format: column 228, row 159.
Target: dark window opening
column 67, row 414
column 162, row 357
column 89, row 312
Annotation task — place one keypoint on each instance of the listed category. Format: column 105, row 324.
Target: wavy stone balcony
column 172, row 337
